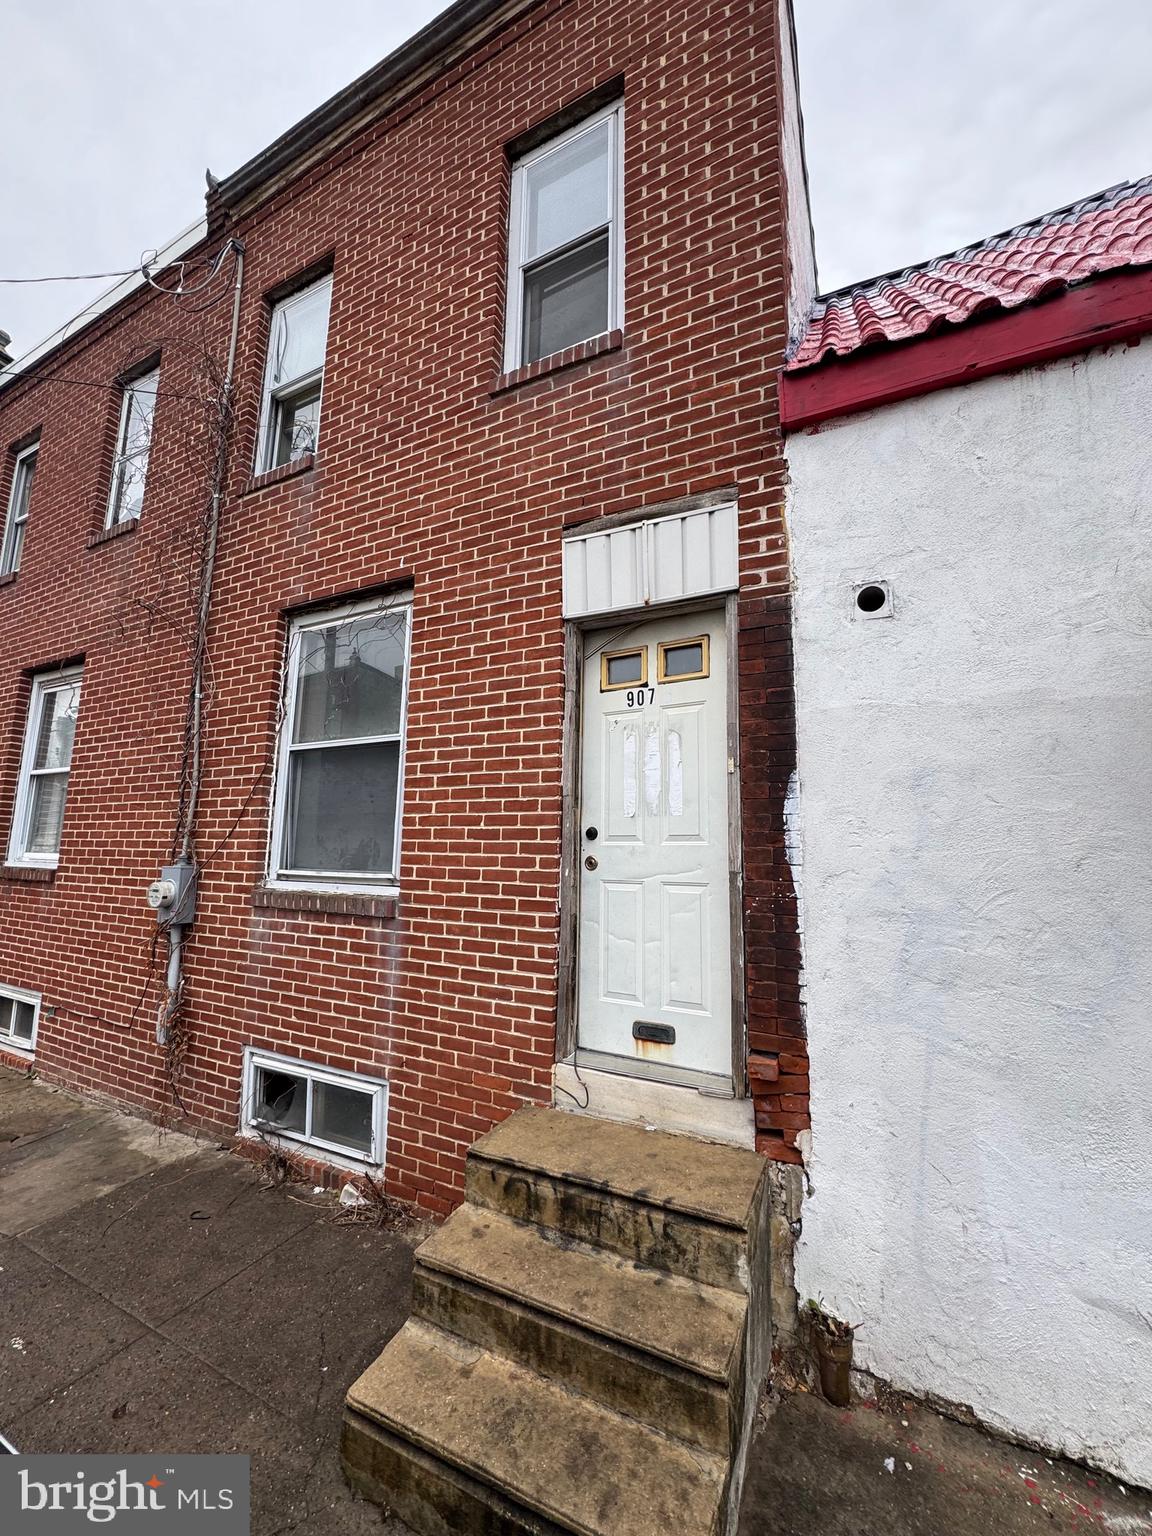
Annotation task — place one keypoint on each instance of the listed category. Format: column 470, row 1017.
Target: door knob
column 591, row 834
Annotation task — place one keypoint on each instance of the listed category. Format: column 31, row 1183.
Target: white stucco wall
column 976, row 818
column 801, row 245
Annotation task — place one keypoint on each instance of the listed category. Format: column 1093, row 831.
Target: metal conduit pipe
column 177, row 930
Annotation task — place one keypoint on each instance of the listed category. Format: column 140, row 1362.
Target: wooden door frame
column 571, row 767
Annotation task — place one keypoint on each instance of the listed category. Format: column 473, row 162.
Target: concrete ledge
column 635, row 1101
column 553, row 1454
column 426, row 1493
column 350, row 904
column 27, row 874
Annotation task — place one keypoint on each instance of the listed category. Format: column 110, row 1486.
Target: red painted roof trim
column 1093, row 314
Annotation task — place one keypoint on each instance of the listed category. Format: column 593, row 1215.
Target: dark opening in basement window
column 338, row 1112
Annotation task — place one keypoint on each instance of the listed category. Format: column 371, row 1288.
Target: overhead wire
column 72, row 277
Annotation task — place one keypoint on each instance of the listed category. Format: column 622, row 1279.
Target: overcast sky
column 929, row 123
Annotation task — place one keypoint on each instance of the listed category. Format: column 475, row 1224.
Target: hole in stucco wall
column 873, row 600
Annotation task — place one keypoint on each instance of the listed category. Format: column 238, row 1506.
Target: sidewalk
column 155, row 1295
column 903, row 1470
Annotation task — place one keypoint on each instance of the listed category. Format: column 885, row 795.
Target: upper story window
column 564, row 242
column 19, row 497
column 294, row 377
column 133, row 443
column 337, row 806
column 38, row 816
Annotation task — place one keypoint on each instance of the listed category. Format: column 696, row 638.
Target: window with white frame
column 41, row 790
column 339, row 1112
column 565, row 248
column 133, row 444
column 336, row 818
column 19, row 497
column 294, row 377
column 19, row 1016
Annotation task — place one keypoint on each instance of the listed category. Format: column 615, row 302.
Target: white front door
column 655, row 988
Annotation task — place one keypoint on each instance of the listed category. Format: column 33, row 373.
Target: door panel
column 621, row 777
column 622, row 936
column 654, row 925
column 685, row 947
column 686, row 812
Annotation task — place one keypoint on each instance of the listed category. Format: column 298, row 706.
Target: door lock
column 591, row 863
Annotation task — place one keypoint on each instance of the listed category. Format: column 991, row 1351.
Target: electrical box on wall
column 872, row 600
column 173, row 896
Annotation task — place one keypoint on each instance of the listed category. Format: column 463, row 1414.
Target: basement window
column 339, row 1112
column 564, row 242
column 19, row 1016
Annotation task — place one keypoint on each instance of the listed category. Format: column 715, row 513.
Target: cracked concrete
column 155, row 1296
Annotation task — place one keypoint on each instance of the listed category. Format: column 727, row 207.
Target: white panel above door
column 661, row 560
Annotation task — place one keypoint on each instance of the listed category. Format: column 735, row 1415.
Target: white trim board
column 660, row 560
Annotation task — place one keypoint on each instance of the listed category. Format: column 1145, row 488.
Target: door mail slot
column 658, row 1034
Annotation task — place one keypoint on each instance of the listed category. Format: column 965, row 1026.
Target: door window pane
column 566, row 300
column 624, row 668
column 567, row 193
column 342, row 809
column 688, row 658
column 281, row 1100
column 351, row 679
column 342, row 1116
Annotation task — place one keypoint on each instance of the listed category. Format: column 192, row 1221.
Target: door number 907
column 636, row 698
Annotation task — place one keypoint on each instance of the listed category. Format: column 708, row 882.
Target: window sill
column 13, row 1055
column 610, row 341
column 27, row 874
column 342, row 904
column 116, row 531
column 7, row 579
column 299, row 466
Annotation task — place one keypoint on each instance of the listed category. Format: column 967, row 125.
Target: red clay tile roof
column 1032, row 261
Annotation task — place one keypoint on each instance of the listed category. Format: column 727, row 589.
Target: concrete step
column 660, row 1348
column 688, row 1207
column 454, row 1439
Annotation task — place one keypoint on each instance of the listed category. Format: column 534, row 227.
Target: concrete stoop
column 588, row 1341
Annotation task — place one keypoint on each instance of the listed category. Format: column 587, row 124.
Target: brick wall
column 777, row 1051
column 433, row 478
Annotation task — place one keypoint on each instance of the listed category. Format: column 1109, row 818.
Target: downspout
column 181, row 917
